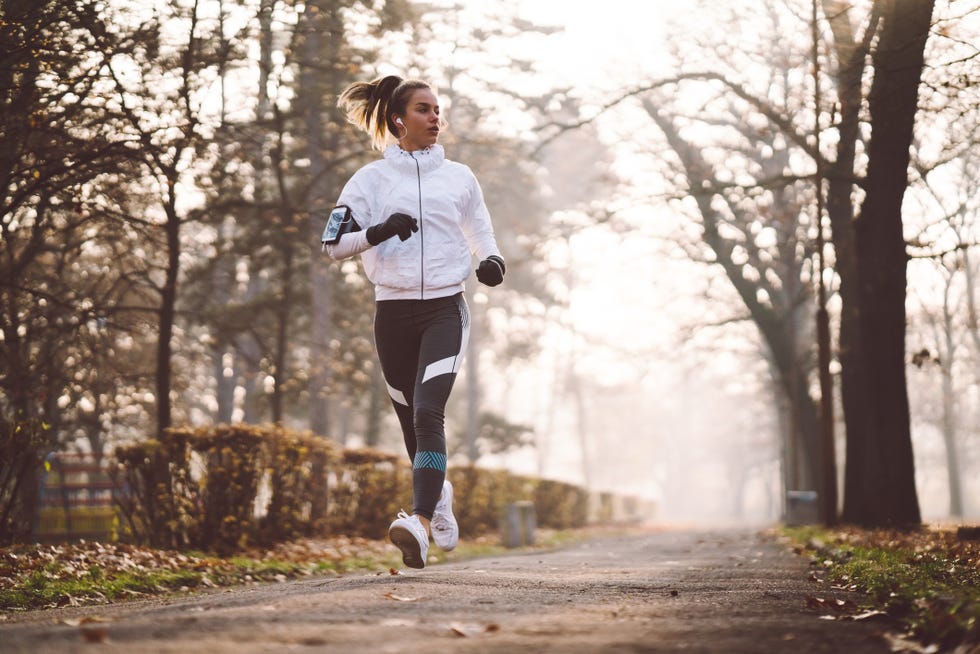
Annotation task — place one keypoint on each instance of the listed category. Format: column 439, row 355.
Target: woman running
column 435, row 208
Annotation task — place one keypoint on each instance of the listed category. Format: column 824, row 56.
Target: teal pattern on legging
column 433, row 460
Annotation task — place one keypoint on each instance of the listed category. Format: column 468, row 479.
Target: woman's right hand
column 399, row 224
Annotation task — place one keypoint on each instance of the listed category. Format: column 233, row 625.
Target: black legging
column 421, row 345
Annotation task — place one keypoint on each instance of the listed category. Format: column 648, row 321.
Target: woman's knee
column 430, row 421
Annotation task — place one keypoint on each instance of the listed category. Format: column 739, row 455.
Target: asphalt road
column 658, row 591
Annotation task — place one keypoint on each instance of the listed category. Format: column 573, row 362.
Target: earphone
column 399, row 121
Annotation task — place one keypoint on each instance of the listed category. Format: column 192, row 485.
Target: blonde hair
column 370, row 106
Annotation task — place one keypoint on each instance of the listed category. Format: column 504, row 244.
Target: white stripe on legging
column 449, row 364
column 396, row 394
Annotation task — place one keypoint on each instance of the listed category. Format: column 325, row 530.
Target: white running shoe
column 408, row 535
column 445, row 530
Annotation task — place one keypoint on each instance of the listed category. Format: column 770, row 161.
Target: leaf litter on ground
column 924, row 581
column 46, row 576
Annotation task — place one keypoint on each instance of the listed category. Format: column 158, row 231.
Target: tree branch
column 781, row 121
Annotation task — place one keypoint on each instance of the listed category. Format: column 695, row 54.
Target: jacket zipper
column 418, row 173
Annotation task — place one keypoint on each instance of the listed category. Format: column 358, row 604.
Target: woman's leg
column 420, row 346
column 441, row 349
column 397, row 338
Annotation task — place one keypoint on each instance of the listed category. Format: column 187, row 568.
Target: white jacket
column 454, row 223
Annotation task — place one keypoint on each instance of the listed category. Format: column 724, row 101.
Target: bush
column 232, row 457
column 199, row 489
column 298, row 467
column 23, row 445
column 560, row 505
column 370, row 487
column 486, row 493
column 222, row 488
column 160, row 500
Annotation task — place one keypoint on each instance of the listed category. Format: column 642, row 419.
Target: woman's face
column 420, row 125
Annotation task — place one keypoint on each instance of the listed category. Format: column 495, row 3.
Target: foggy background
column 617, row 354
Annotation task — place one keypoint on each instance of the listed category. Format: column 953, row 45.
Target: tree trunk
column 806, row 429
column 973, row 323
column 574, row 385
column 949, row 440
column 246, row 352
column 884, row 493
column 947, row 360
column 222, row 354
column 327, row 63
column 315, row 44
column 248, row 355
column 224, row 388
column 281, row 362
column 851, row 55
column 168, row 309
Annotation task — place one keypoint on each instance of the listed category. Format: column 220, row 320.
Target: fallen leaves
column 902, row 643
column 471, row 630
column 336, row 549
column 867, row 615
column 841, row 609
column 85, row 573
column 93, row 629
column 835, row 605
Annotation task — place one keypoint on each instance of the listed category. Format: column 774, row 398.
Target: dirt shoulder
column 658, row 591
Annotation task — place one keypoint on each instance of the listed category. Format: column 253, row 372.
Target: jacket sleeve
column 476, row 223
column 355, row 197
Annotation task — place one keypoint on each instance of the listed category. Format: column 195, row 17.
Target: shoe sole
column 405, row 540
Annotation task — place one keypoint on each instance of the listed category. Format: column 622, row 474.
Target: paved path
column 662, row 591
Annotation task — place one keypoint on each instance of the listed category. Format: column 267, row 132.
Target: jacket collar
column 428, row 159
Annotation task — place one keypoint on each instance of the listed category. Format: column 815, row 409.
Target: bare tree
column 64, row 171
column 943, row 351
column 870, row 250
column 162, row 106
column 770, row 279
column 880, row 479
column 508, row 177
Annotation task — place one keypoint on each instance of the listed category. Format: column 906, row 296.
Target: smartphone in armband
column 340, row 221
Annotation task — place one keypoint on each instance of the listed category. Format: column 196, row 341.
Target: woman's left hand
column 491, row 270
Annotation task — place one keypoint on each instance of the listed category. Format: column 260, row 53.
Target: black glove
column 491, row 270
column 398, row 223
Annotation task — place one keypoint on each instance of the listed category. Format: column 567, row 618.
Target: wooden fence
column 76, row 499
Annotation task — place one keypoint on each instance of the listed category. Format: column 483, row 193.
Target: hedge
column 226, row 487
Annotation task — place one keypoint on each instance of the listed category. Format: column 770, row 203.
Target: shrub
column 221, row 488
column 160, row 499
column 24, row 442
column 486, row 493
column 198, row 488
column 298, row 465
column 232, row 456
column 560, row 505
column 370, row 487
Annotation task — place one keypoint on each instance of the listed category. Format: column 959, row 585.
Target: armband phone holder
column 340, row 221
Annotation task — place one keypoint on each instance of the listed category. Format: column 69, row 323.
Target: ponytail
column 369, row 106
